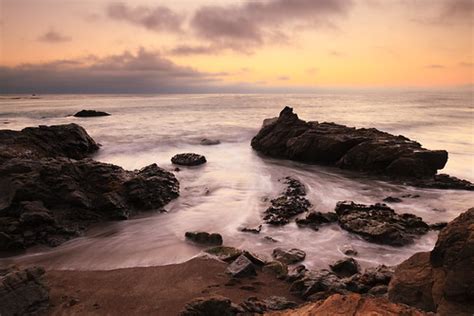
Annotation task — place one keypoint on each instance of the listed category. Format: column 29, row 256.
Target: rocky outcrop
column 49, row 191
column 70, row 141
column 316, row 219
column 379, row 223
column 291, row 203
column 273, row 303
column 90, row 113
column 442, row 280
column 345, row 267
column 366, row 150
column 351, row 304
column 204, row 238
column 289, row 256
column 215, row 305
column 188, row 159
column 22, row 292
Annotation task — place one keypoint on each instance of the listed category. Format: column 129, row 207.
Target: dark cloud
column 53, row 36
column 185, row 50
column 156, row 19
column 255, row 21
column 140, row 72
column 458, row 10
column 435, row 66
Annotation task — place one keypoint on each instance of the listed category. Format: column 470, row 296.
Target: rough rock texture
column 241, row 267
column 288, row 256
column 351, row 304
column 279, row 269
column 315, row 219
column 210, row 306
column 291, row 203
column 50, row 193
column 443, row 280
column 379, row 223
column 22, row 292
column 204, row 238
column 227, row 254
column 70, row 141
column 188, row 159
column 371, row 278
column 90, row 113
column 273, row 303
column 367, row 150
column 345, row 267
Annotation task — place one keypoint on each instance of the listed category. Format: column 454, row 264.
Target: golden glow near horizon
column 354, row 44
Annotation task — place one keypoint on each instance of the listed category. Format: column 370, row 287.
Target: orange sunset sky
column 223, row 45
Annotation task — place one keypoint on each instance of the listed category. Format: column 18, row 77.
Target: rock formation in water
column 90, row 113
column 49, row 191
column 367, row 150
column 442, row 280
column 188, row 159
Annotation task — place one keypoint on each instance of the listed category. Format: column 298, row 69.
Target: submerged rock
column 210, row 142
column 90, row 113
column 367, row 150
column 315, row 219
column 188, row 159
column 442, row 280
column 291, row 203
column 391, row 199
column 22, row 292
column 289, row 256
column 379, row 223
column 204, row 238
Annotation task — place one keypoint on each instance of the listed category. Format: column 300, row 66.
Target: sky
column 190, row 46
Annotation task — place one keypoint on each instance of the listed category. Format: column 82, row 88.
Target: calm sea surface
column 232, row 190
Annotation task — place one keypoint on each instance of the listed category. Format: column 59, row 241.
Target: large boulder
column 379, row 223
column 367, row 150
column 442, row 280
column 70, row 141
column 351, row 304
column 22, row 292
column 241, row 267
column 47, row 201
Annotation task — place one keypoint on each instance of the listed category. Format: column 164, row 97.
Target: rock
column 380, row 224
column 210, row 142
column 279, row 269
column 253, row 230
column 296, row 273
column 273, row 303
column 227, row 254
column 315, row 219
column 372, row 277
column 210, row 306
column 391, row 199
column 438, row 226
column 345, row 267
column 70, row 141
column 241, row 267
column 56, row 199
column 348, row 250
column 90, row 113
column 204, row 238
column 441, row 281
column 255, row 259
column 351, row 304
column 289, row 256
column 379, row 290
column 318, row 285
column 22, row 292
column 291, row 203
column 270, row 239
column 444, row 181
column 366, row 150
column 188, row 159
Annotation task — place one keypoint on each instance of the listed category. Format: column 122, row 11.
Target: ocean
column 232, row 190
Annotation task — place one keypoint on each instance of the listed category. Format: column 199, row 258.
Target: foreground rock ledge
column 367, row 150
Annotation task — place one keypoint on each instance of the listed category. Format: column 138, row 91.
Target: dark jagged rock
column 438, row 226
column 291, row 203
column 296, row 272
column 253, row 230
column 204, row 238
column 345, row 267
column 322, row 282
column 188, row 159
column 241, row 267
column 227, row 254
column 255, row 259
column 22, row 292
column 288, row 256
column 90, row 113
column 444, row 181
column 210, row 142
column 279, row 269
column 273, row 303
column 70, row 141
column 380, row 224
column 315, row 219
column 214, row 305
column 441, row 281
column 47, row 201
column 370, row 278
column 366, row 150
column 391, row 199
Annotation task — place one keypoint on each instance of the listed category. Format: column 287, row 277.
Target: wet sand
column 160, row 290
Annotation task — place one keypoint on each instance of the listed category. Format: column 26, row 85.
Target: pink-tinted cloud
column 53, row 36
